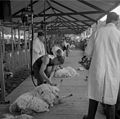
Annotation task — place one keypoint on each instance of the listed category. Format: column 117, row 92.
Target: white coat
column 38, row 49
column 104, row 72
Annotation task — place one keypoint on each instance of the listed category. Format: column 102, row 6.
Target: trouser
column 117, row 106
column 110, row 110
column 37, row 75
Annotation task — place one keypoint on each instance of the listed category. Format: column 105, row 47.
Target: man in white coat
column 104, row 72
column 38, row 47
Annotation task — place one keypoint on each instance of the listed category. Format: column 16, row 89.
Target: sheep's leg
column 60, row 83
column 59, row 100
column 27, row 111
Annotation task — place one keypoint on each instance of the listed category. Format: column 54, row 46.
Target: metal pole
column 45, row 28
column 2, row 100
column 31, row 41
column 13, row 45
column 25, row 47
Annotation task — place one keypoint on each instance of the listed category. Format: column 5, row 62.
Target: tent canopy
column 68, row 16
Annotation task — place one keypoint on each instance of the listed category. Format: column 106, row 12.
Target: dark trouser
column 110, row 110
column 117, row 106
column 38, row 77
column 36, row 74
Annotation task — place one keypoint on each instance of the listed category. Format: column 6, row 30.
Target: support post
column 2, row 81
column 44, row 28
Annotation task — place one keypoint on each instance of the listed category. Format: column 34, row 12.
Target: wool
column 72, row 71
column 48, row 97
column 37, row 100
column 23, row 116
column 28, row 101
column 46, row 92
column 45, row 87
column 65, row 72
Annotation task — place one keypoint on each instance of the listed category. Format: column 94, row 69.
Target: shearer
column 41, row 65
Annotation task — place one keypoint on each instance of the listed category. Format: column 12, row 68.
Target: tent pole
column 31, row 41
column 2, row 80
column 45, row 29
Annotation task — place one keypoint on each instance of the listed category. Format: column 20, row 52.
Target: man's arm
column 52, row 72
column 89, row 49
column 43, row 68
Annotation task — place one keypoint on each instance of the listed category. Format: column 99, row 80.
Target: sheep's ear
column 60, row 83
column 42, row 92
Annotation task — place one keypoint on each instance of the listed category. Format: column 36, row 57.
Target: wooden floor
column 71, row 108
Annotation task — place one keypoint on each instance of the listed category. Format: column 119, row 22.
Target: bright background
column 117, row 10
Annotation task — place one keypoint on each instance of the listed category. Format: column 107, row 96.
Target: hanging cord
column 31, row 44
column 44, row 28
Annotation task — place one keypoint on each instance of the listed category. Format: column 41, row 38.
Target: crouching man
column 41, row 65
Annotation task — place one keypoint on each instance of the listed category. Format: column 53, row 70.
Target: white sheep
column 28, row 101
column 65, row 72
column 23, row 116
column 62, row 73
column 37, row 100
column 72, row 71
column 46, row 92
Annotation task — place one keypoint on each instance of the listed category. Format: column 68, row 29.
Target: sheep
column 37, row 100
column 28, row 101
column 46, row 92
column 65, row 72
column 23, row 116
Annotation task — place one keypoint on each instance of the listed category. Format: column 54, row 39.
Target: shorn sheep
column 65, row 72
column 22, row 116
column 38, row 100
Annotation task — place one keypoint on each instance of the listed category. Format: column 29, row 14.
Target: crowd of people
column 103, row 77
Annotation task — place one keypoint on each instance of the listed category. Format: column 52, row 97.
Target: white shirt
column 38, row 49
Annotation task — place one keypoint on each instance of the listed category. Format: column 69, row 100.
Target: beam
column 66, row 25
column 92, row 6
column 72, row 21
column 64, row 31
column 24, row 8
column 70, row 24
column 74, row 24
column 71, row 17
column 72, row 10
column 72, row 13
column 55, row 13
column 42, row 12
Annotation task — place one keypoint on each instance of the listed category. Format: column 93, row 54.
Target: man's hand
column 53, row 84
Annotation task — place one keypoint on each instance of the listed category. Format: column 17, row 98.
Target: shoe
column 85, row 117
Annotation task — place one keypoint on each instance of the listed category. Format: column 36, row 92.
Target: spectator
column 56, row 47
column 38, row 47
column 104, row 72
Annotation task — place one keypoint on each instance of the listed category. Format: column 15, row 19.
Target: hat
column 112, row 16
column 40, row 33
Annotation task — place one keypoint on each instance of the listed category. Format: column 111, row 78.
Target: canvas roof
column 68, row 16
